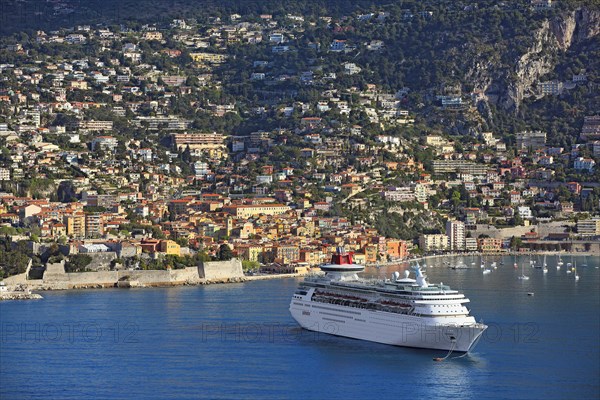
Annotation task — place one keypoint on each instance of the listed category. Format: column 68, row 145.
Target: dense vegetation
column 28, row 15
column 78, row 263
column 429, row 46
column 14, row 257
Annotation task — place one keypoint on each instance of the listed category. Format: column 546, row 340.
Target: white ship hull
column 388, row 328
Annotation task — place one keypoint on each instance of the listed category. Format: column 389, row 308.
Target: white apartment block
column 455, row 230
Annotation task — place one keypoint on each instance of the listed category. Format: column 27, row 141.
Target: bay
column 239, row 341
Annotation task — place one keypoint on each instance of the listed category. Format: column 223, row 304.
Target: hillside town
column 147, row 146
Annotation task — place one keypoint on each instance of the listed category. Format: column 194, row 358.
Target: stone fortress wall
column 55, row 276
column 221, row 269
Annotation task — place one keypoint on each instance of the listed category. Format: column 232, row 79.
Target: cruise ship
column 397, row 311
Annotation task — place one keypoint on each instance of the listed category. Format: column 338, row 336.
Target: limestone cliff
column 507, row 85
column 554, row 37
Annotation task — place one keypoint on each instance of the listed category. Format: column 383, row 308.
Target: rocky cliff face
column 508, row 87
column 587, row 23
column 563, row 30
column 538, row 60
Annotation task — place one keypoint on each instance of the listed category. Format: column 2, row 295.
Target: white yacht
column 523, row 277
column 559, row 263
column 460, row 265
column 397, row 311
column 545, row 269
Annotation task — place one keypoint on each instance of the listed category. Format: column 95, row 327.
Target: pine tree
column 225, row 253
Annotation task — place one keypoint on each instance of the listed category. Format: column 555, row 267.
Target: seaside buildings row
column 257, row 229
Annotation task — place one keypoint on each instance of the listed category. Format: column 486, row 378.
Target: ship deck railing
column 406, row 294
column 362, row 305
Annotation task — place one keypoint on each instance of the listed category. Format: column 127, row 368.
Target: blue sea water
column 238, row 341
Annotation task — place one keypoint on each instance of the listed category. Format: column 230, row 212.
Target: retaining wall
column 221, row 270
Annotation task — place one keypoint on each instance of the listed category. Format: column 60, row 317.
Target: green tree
column 248, row 265
column 78, row 263
column 515, row 243
column 66, row 192
column 225, row 253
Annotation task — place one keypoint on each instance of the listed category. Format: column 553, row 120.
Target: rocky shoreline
column 18, row 292
column 20, row 296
